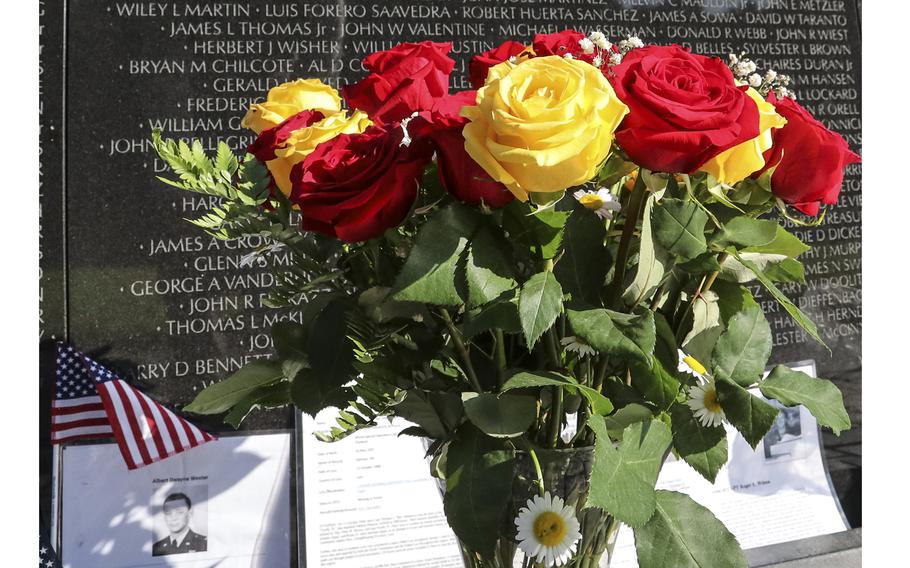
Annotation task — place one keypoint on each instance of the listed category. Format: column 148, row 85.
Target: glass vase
column 566, row 473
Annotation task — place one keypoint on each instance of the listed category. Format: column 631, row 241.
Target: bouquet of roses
column 544, row 276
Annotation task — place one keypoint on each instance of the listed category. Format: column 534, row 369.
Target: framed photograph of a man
column 227, row 503
column 182, row 522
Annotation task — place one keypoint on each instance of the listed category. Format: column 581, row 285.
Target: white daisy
column 600, row 202
column 689, row 364
column 703, row 402
column 577, row 345
column 548, row 530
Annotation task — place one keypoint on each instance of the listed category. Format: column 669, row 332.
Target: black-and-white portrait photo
column 787, row 428
column 184, row 522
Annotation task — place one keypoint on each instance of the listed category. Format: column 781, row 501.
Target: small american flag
column 92, row 402
column 46, row 556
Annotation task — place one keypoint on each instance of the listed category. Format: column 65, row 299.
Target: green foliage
column 273, row 395
column 429, row 274
column 657, row 385
column 222, row 396
column 625, row 417
column 583, row 267
column 479, row 472
column 748, row 413
column 684, row 534
column 821, row 397
column 488, row 271
column 743, row 349
column 623, row 478
column 798, row 316
column 742, row 232
column 627, row 336
column 539, row 233
column 524, row 379
column 500, row 416
column 651, row 261
column 501, row 314
column 679, row 227
column 784, row 243
column 539, row 303
column 438, row 413
column 703, row 447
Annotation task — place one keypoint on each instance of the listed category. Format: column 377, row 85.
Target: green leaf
column 600, row 404
column 748, row 413
column 684, row 534
column 222, row 395
column 539, row 303
column 290, row 341
column 706, row 328
column 331, row 353
column 821, row 397
column 583, row 267
column 625, row 416
column 270, row 396
column 679, row 227
column 622, row 479
column 540, row 232
column 746, row 232
column 658, row 386
column 311, row 393
column 429, row 274
column 701, row 264
column 479, row 473
column 784, row 243
column 787, row 270
column 702, row 447
column 801, row 319
column 489, row 273
column 505, row 416
column 743, row 349
column 616, row 334
column 732, row 299
column 502, row 314
column 437, row 413
column 651, row 261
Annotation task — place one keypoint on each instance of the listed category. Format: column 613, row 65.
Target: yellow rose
column 303, row 141
column 542, row 125
column 286, row 100
column 742, row 160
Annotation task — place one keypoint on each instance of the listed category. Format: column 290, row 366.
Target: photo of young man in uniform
column 178, row 512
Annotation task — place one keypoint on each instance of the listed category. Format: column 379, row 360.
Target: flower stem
column 534, row 459
column 703, row 287
column 555, row 417
column 633, row 210
column 462, row 350
column 500, row 353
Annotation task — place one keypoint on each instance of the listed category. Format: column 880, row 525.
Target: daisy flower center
column 591, row 201
column 693, row 364
column 549, row 528
column 710, row 401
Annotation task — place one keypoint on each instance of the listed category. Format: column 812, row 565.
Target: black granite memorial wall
column 124, row 277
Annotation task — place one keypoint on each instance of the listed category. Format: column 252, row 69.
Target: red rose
column 480, row 64
column 684, row 109
column 561, row 43
column 459, row 174
column 810, row 159
column 407, row 78
column 355, row 186
column 273, row 138
column 566, row 43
